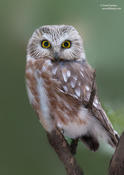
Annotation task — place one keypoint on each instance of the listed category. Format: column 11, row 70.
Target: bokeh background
column 24, row 148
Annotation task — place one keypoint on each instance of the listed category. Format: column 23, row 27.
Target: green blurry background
column 24, row 148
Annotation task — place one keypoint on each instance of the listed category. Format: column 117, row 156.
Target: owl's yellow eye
column 45, row 44
column 66, row 44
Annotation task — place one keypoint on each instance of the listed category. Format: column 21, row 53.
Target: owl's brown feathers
column 59, row 91
column 68, row 88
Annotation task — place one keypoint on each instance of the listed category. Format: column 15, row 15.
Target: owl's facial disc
column 57, row 42
column 57, row 54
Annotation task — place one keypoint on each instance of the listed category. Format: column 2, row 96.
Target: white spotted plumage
column 77, row 91
column 59, row 82
column 87, row 88
column 68, row 73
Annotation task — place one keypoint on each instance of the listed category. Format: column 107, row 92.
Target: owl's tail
column 97, row 131
column 112, row 136
column 90, row 141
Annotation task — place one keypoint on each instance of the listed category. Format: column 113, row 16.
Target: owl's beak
column 56, row 56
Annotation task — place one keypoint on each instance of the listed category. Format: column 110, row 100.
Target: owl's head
column 56, row 42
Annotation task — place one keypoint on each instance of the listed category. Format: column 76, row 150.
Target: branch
column 73, row 146
column 117, row 163
column 62, row 148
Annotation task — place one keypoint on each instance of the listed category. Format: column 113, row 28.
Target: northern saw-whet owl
column 59, row 81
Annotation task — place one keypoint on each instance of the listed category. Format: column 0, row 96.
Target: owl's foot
column 73, row 146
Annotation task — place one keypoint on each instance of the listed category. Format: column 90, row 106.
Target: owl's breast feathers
column 68, row 87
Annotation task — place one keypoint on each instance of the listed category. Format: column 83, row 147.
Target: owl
column 59, row 85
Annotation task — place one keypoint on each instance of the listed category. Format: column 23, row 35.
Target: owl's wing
column 76, row 79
